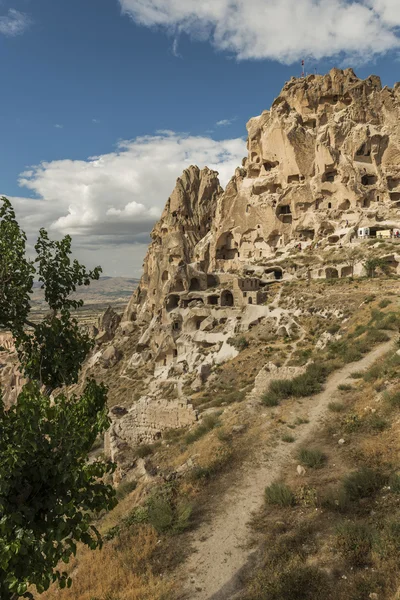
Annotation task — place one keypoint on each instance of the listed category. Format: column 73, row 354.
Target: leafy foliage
column 48, row 489
column 52, row 351
column 16, row 271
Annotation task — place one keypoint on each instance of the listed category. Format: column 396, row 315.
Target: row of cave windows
column 329, row 175
column 226, row 299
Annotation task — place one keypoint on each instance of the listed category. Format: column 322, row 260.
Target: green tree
column 372, row 264
column 49, row 491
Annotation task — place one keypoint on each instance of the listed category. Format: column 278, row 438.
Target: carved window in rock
column 331, row 273
column 250, row 300
column 368, row 179
column 284, row 213
column 165, row 276
column 213, row 300
column 293, row 178
column 172, row 302
column 329, row 176
column 227, row 298
column 195, row 285
column 177, row 286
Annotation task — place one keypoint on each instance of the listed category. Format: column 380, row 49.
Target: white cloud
column 58, row 126
column 283, row 30
column 113, row 200
column 14, row 23
column 224, row 122
column 95, row 121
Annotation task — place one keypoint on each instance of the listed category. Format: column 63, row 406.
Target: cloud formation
column 14, row 23
column 284, row 30
column 224, row 122
column 113, row 200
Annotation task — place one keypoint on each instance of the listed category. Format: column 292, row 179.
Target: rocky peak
column 187, row 218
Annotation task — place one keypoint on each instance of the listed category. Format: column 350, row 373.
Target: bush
column 393, row 398
column 354, row 542
column 394, row 483
column 307, row 384
column 125, row 488
column 336, row 499
column 336, row 407
column 357, row 375
column 240, row 342
column 375, row 336
column 377, row 423
column 270, row 399
column 279, row 494
column 313, row 458
column 384, row 303
column 297, row 582
column 288, row 438
column 344, row 387
column 143, row 451
column 389, row 321
column 208, row 423
column 362, row 483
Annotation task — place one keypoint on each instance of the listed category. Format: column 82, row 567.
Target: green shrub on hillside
column 354, row 541
column 312, row 457
column 363, row 483
column 279, row 494
column 208, row 423
column 307, row 384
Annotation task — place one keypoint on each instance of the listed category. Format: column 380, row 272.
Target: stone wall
column 144, row 422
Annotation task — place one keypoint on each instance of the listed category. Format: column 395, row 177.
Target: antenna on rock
column 302, row 68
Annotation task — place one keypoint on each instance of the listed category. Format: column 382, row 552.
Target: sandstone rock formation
column 321, row 180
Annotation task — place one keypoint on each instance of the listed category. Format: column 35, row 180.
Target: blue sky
column 78, row 77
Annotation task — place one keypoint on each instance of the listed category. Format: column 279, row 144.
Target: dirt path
column 212, row 572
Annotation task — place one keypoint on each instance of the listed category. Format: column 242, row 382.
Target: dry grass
column 122, row 570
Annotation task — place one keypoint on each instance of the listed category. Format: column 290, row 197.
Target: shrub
column 307, row 384
column 357, row 374
column 270, row 399
column 344, row 387
column 354, row 542
column 143, row 451
column 313, row 458
column 125, row 488
column 394, row 483
column 390, row 321
column 362, row 483
column 375, row 336
column 389, row 542
column 336, row 499
column 336, row 407
column 297, row 582
column 208, row 423
column 168, row 513
column 384, row 303
column 393, row 398
column 240, row 342
column 288, row 438
column 377, row 423
column 279, row 494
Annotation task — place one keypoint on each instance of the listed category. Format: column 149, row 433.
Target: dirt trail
column 212, row 572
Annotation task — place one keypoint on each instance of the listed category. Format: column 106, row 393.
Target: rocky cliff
column 319, row 188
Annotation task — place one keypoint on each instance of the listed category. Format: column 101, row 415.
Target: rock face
column 323, row 162
column 144, row 422
column 322, row 172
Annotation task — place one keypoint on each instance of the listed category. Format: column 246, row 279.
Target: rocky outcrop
column 322, row 173
column 144, row 422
